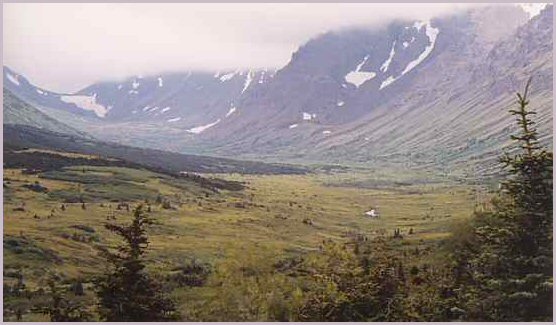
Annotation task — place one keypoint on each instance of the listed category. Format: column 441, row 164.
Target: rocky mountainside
column 427, row 93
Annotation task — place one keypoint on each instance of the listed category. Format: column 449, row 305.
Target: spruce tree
column 504, row 262
column 128, row 293
column 61, row 307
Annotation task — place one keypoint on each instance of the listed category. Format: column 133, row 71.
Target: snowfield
column 386, row 64
column 202, row 128
column 358, row 77
column 248, row 80
column 12, row 78
column 231, row 111
column 432, row 34
column 87, row 103
column 227, row 77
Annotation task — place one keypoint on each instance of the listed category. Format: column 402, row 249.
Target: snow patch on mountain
column 87, row 103
column 135, row 84
column 308, row 117
column 386, row 64
column 358, row 77
column 202, row 128
column 227, row 76
column 248, row 80
column 160, row 82
column 532, row 9
column 340, row 104
column 231, row 111
column 165, row 109
column 293, row 126
column 12, row 78
column 326, row 132
column 419, row 24
column 432, row 34
column 387, row 82
column 175, row 119
column 261, row 78
column 40, row 92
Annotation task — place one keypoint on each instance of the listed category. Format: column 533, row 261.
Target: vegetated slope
column 20, row 136
column 17, row 111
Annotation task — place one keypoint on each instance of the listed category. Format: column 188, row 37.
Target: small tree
column 60, row 308
column 128, row 293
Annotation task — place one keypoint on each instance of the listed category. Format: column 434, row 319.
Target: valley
column 395, row 171
column 276, row 217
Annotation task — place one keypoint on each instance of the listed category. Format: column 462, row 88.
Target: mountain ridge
column 353, row 95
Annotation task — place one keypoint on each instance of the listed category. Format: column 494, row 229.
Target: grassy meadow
column 275, row 218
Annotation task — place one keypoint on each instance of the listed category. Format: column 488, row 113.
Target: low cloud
column 65, row 47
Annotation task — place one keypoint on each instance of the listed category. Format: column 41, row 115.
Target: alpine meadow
column 316, row 162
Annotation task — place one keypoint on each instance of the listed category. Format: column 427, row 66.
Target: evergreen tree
column 128, row 293
column 504, row 262
column 61, row 308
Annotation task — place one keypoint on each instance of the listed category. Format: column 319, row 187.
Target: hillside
column 18, row 112
column 18, row 137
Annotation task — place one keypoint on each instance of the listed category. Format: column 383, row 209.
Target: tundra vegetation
column 115, row 242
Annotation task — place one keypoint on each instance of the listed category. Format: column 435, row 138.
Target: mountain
column 440, row 103
column 427, row 93
column 165, row 98
column 18, row 112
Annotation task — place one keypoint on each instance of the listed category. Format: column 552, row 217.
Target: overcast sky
column 64, row 47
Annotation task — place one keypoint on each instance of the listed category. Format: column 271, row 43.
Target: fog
column 65, row 47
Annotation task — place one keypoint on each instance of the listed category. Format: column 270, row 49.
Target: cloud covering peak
column 65, row 47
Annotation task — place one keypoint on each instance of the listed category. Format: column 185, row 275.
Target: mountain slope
column 19, row 112
column 432, row 93
column 23, row 136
